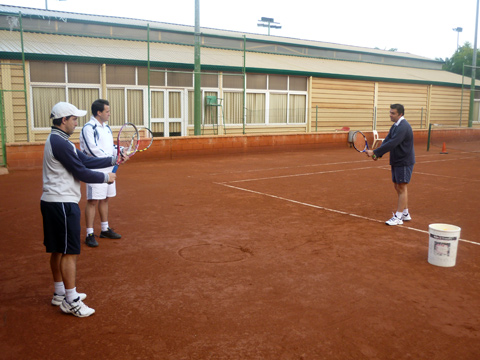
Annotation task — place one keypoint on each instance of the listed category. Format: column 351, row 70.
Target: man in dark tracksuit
column 63, row 168
column 399, row 142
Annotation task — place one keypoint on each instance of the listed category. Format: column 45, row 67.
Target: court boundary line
column 381, row 167
column 330, row 210
column 227, row 184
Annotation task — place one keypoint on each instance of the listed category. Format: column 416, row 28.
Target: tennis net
column 466, row 139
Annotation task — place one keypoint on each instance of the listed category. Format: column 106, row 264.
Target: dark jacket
column 399, row 142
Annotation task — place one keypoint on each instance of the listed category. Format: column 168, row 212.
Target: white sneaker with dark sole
column 77, row 308
column 394, row 221
column 57, row 299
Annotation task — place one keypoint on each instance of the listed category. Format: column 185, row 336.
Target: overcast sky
column 420, row 27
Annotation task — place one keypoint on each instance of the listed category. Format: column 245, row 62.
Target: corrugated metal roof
column 62, row 46
column 60, row 15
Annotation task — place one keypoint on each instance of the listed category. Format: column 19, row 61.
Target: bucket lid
column 444, row 227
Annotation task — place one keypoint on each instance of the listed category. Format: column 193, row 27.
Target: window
column 157, row 103
column 83, row 73
column 211, row 111
column 174, row 105
column 116, row 97
column 298, row 104
column 257, row 81
column 278, row 82
column 43, row 101
column 183, row 79
column 157, row 77
column 135, row 107
column 126, row 105
column 255, row 109
column 83, row 99
column 121, row 75
column 51, row 72
column 278, row 109
column 233, row 107
column 298, row 83
column 233, row 81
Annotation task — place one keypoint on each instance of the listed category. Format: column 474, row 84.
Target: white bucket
column 442, row 249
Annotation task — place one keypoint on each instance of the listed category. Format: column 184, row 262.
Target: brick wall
column 30, row 155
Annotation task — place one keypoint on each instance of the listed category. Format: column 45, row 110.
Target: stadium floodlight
column 267, row 22
column 46, row 3
column 458, row 30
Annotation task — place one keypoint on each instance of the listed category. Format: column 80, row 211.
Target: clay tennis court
column 279, row 255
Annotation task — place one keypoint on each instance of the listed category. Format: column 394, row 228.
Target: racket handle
column 115, row 168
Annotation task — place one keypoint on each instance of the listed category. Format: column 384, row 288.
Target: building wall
column 332, row 104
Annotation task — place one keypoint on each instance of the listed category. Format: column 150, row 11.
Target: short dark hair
column 58, row 122
column 399, row 107
column 99, row 105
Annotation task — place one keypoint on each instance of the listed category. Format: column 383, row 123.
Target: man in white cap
column 63, row 168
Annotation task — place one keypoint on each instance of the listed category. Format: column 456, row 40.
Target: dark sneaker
column 91, row 241
column 110, row 234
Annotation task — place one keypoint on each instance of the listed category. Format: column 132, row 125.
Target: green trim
column 239, row 69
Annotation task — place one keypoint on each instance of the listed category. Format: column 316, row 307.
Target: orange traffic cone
column 444, row 149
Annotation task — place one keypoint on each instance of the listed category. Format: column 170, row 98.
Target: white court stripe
column 304, row 174
column 328, row 209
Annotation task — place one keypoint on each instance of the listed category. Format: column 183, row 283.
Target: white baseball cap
column 64, row 109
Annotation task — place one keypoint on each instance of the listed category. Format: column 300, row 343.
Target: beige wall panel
column 341, row 103
column 413, row 97
column 446, row 106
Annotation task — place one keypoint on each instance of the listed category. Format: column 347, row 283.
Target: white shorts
column 101, row 191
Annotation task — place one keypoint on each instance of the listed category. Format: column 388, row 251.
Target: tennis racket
column 145, row 140
column 359, row 141
column 127, row 143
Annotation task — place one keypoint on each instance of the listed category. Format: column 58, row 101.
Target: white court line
column 288, row 167
column 304, row 174
column 386, row 167
column 227, row 184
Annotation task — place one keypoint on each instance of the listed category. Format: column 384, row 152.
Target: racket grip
column 115, row 168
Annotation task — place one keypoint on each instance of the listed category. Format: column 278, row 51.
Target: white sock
column 71, row 294
column 104, row 226
column 405, row 211
column 59, row 288
column 89, row 231
column 398, row 214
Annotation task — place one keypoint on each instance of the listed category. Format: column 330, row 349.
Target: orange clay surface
column 279, row 255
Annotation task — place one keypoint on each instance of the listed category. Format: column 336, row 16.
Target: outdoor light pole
column 266, row 22
column 474, row 66
column 46, row 3
column 458, row 30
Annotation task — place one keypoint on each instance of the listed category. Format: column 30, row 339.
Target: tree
column 463, row 56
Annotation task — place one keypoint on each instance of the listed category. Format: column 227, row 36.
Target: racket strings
column 128, row 140
column 359, row 141
column 146, row 139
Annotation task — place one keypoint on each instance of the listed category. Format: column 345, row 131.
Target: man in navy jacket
column 63, row 168
column 399, row 142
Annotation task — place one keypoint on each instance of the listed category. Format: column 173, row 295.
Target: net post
column 428, row 140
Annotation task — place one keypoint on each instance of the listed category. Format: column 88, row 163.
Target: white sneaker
column 406, row 217
column 394, row 221
column 57, row 299
column 77, row 308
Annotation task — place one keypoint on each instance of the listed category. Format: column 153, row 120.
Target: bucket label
column 441, row 248
column 446, row 238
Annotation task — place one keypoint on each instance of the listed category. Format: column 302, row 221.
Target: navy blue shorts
column 61, row 227
column 402, row 174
